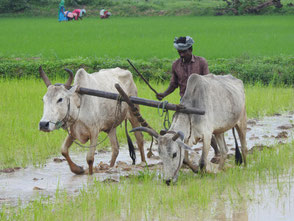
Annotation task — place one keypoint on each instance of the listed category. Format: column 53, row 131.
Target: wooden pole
column 142, row 77
column 141, row 101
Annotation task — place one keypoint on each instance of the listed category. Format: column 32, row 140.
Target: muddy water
column 267, row 202
column 26, row 184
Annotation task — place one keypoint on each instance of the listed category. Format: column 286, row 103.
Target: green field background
column 249, row 47
column 147, row 37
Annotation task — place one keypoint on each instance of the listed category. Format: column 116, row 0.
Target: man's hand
column 160, row 96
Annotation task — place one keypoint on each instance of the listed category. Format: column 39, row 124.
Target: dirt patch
column 37, row 188
column 251, row 122
column 10, row 170
column 110, row 180
column 58, row 160
column 257, row 148
column 282, row 134
column 286, row 127
column 253, row 138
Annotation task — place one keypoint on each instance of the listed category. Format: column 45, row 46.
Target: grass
column 268, row 100
column 146, row 37
column 21, row 109
column 146, row 197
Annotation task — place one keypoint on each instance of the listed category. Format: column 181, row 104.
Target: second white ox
column 86, row 116
column 223, row 99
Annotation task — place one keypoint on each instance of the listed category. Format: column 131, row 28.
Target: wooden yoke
column 135, row 112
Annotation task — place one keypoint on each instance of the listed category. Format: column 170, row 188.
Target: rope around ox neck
column 116, row 114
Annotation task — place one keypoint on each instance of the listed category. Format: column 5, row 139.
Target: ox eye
column 174, row 155
column 59, row 100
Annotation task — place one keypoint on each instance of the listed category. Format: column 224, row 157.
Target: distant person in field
column 69, row 15
column 183, row 67
column 61, row 12
column 79, row 13
column 104, row 14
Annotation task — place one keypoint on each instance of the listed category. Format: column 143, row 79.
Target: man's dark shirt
column 181, row 71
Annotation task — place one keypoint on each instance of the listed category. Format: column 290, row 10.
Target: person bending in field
column 79, row 13
column 104, row 14
column 182, row 68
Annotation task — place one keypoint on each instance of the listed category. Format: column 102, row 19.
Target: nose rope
column 179, row 162
column 61, row 123
column 177, row 170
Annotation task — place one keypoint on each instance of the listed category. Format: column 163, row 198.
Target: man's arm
column 168, row 91
column 172, row 86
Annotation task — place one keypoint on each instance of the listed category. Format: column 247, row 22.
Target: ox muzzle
column 44, row 126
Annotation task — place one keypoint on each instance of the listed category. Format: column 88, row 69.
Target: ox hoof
column 215, row 160
column 77, row 170
column 150, row 154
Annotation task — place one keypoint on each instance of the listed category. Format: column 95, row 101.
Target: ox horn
column 70, row 78
column 177, row 135
column 146, row 129
column 44, row 77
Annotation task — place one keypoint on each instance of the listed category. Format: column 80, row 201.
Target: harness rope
column 166, row 121
column 179, row 162
column 63, row 122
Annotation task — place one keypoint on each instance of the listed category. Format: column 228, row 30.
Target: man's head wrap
column 183, row 43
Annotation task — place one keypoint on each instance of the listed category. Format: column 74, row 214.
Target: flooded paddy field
column 270, row 200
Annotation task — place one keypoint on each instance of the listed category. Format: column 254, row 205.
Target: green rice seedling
column 146, row 37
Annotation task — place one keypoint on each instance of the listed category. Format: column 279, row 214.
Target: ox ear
column 73, row 89
column 183, row 145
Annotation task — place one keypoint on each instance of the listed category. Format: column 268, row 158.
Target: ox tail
column 130, row 144
column 238, row 156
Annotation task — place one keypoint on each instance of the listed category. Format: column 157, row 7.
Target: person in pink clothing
column 79, row 13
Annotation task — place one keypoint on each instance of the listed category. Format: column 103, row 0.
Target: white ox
column 223, row 100
column 86, row 116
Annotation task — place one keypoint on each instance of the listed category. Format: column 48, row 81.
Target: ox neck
column 182, row 122
column 71, row 116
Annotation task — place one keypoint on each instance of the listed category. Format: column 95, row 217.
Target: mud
column 25, row 184
column 266, row 202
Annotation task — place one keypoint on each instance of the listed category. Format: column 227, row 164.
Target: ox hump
column 81, row 77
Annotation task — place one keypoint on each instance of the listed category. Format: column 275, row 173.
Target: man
column 186, row 65
column 182, row 68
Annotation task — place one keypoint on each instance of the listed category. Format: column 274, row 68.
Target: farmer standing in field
column 182, row 68
column 61, row 12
